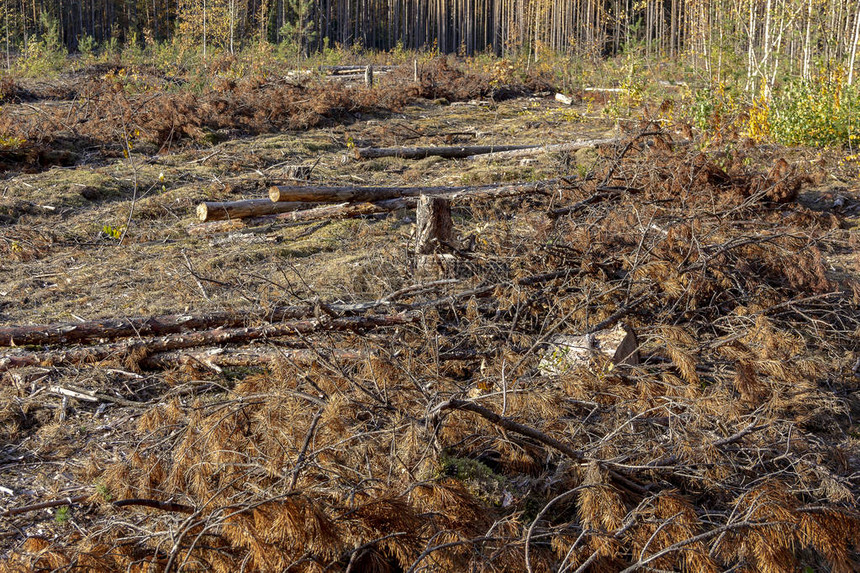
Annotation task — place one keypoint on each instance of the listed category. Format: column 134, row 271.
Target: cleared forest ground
column 414, row 430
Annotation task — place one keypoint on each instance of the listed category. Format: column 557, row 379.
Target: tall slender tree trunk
column 751, row 59
column 807, row 42
column 854, row 40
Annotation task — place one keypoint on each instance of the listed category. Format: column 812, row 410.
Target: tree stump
column 434, row 229
column 368, row 76
column 434, row 236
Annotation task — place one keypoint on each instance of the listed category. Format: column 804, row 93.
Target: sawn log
column 290, row 193
column 215, row 211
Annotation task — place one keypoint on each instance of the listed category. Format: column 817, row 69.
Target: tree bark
column 211, row 211
column 134, row 351
column 338, row 70
column 109, row 329
column 434, row 228
column 554, row 148
column 422, row 152
column 286, row 193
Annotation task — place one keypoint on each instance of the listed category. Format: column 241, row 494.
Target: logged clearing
column 277, row 394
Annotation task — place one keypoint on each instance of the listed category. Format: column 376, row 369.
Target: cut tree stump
column 616, row 345
column 213, row 211
column 434, row 230
column 434, row 238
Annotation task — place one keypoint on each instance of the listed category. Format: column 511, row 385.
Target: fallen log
column 215, row 211
column 543, row 149
column 354, row 69
column 422, row 152
column 135, row 350
column 109, row 329
column 344, row 210
column 112, row 329
column 348, row 210
column 377, row 195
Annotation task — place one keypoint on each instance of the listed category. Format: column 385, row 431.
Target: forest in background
column 758, row 39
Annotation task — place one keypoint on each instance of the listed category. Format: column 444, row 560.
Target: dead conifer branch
column 152, row 503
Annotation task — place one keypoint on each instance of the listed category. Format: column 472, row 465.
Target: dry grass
column 733, row 444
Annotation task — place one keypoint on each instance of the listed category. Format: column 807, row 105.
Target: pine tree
column 298, row 31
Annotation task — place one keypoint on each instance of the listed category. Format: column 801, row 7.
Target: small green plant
column 62, row 514
column 87, row 47
column 112, row 232
column 11, row 142
column 714, row 108
column 103, row 491
column 476, row 476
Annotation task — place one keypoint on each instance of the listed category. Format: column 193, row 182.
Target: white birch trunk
column 855, row 38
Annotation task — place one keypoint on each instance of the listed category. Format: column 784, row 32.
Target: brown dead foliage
column 728, row 447
column 106, row 115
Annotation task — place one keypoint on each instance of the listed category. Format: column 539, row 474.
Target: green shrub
column 44, row 54
column 821, row 111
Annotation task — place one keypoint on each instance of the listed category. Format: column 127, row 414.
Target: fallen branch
column 91, row 396
column 44, row 505
column 153, row 503
column 510, row 426
column 211, row 211
column 353, row 69
column 142, row 348
column 517, row 428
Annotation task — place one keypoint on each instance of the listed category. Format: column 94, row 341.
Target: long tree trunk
column 336, row 194
column 134, row 350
